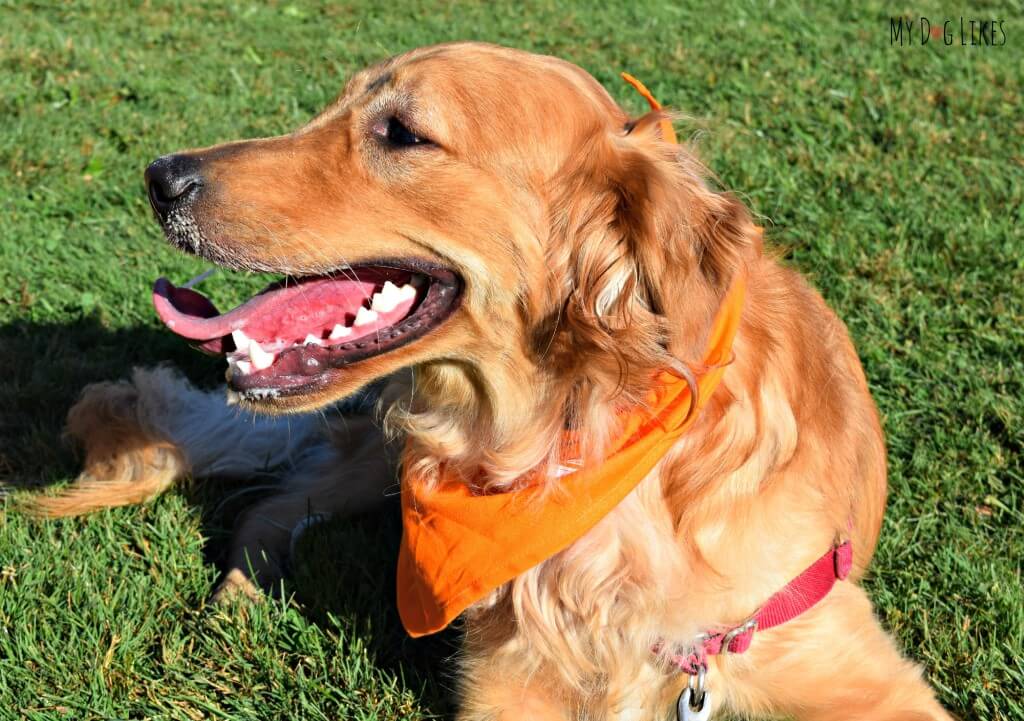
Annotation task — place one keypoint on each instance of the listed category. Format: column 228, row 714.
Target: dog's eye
column 395, row 133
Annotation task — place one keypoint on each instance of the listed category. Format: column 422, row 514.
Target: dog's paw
column 236, row 586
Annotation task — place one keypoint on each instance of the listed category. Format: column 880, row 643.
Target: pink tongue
column 276, row 313
column 186, row 312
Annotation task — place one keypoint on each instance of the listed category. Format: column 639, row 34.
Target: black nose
column 171, row 181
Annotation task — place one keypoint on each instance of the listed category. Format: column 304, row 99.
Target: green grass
column 892, row 177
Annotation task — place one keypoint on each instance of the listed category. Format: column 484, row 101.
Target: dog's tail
column 142, row 436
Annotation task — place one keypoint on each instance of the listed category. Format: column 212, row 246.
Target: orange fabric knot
column 667, row 132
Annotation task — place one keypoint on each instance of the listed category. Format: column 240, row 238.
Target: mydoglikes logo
column 984, row 32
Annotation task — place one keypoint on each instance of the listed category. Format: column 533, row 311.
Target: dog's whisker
column 192, row 282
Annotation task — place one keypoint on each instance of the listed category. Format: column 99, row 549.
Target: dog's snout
column 172, row 180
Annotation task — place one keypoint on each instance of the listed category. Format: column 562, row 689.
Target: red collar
column 798, row 596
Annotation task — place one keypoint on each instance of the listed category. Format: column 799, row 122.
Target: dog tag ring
column 695, row 701
column 685, row 710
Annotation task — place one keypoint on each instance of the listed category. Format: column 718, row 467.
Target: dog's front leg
column 349, row 475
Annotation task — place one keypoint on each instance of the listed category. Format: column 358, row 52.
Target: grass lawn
column 893, row 177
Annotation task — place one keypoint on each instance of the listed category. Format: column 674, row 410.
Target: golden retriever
column 544, row 255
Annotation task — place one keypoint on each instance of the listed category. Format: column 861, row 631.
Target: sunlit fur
column 593, row 253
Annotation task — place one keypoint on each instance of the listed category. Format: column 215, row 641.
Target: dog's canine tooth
column 240, row 338
column 340, row 331
column 365, row 316
column 260, row 358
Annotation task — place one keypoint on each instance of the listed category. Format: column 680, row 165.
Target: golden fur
column 593, row 253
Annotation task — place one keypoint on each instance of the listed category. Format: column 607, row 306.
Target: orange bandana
column 457, row 547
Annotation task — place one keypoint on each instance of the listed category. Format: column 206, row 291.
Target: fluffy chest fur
column 740, row 506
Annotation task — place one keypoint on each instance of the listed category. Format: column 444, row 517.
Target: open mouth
column 290, row 336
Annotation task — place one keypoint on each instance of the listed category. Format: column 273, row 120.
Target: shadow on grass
column 343, row 572
column 45, row 366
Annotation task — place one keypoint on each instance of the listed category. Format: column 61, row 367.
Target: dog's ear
column 648, row 248
column 687, row 238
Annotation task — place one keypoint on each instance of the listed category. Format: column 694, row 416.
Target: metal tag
column 686, row 712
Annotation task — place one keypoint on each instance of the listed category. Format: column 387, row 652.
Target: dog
column 514, row 260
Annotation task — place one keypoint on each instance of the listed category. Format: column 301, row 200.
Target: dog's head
column 486, row 215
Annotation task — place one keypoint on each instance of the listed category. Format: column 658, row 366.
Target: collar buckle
column 748, row 626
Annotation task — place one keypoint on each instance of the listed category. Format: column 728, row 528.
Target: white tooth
column 260, row 358
column 241, row 339
column 391, row 296
column 364, row 316
column 340, row 331
column 311, row 340
column 383, row 303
